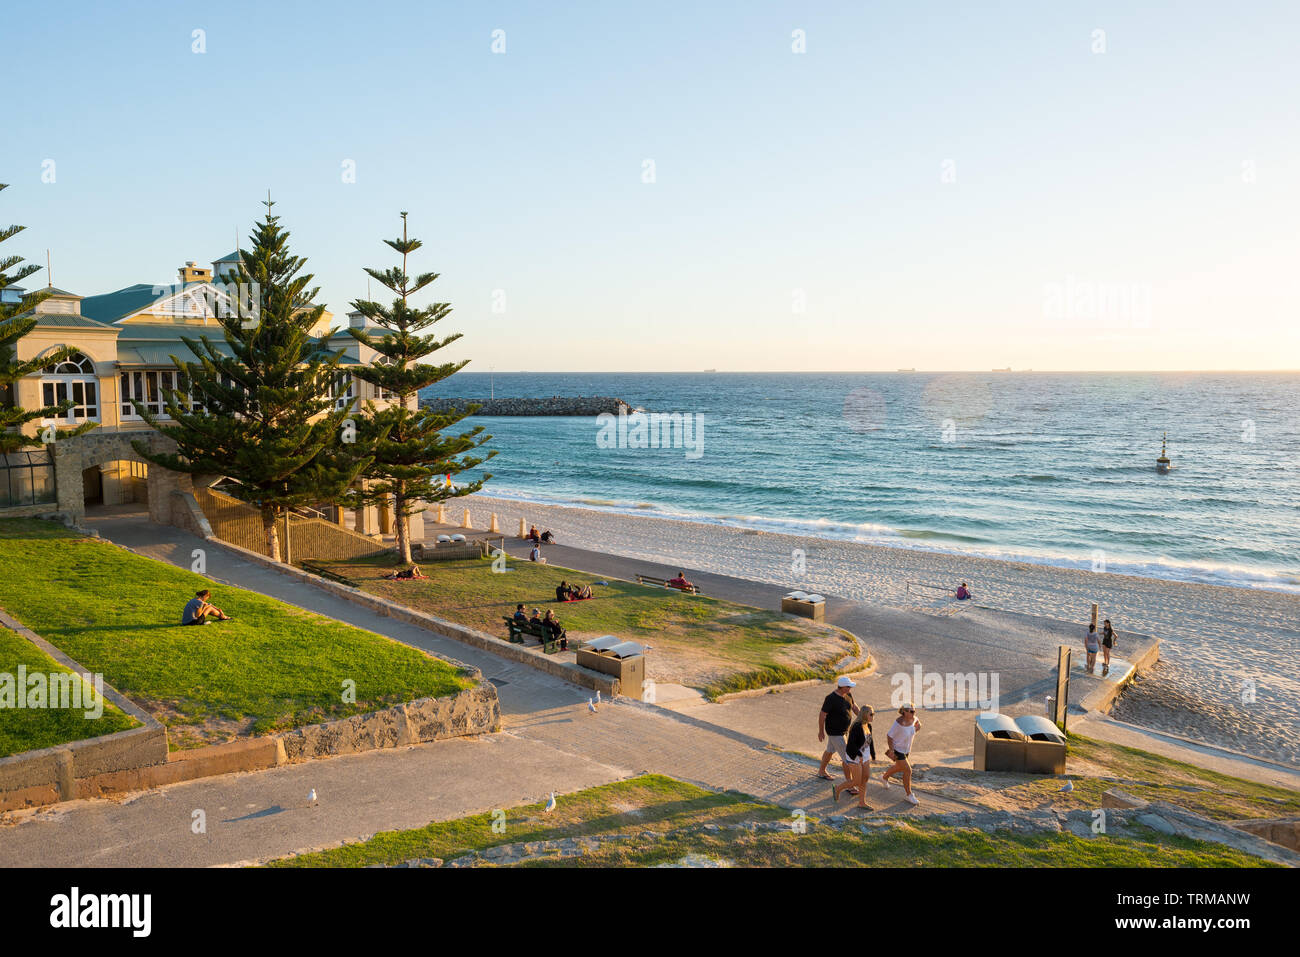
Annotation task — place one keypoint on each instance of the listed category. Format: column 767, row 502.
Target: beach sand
column 1219, row 644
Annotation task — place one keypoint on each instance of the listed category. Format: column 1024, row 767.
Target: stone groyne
column 555, row 405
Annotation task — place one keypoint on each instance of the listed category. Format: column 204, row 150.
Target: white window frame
column 141, row 384
column 64, row 380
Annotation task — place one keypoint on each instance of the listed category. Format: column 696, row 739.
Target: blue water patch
column 1050, row 467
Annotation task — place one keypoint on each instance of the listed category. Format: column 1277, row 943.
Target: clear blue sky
column 1162, row 175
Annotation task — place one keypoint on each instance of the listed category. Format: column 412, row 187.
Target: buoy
column 1162, row 463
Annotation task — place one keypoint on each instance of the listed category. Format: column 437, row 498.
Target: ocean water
column 1057, row 468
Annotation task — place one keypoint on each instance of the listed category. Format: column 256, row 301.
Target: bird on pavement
column 598, row 701
column 311, row 796
column 591, row 706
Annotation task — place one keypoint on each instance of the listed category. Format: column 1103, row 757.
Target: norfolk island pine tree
column 410, row 450
column 263, row 416
column 12, row 328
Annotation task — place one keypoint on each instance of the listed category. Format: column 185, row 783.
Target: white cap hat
column 846, row 682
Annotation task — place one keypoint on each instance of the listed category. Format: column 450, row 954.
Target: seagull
column 591, row 706
column 311, row 796
column 1069, row 786
column 550, row 803
column 598, row 701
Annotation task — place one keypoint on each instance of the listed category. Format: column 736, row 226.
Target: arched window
column 73, row 378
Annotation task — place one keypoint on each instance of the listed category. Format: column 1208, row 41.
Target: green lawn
column 716, row 646
column 675, row 811
column 1156, row 778
column 26, row 729
column 272, row 668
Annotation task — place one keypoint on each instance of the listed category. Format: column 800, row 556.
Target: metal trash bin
column 624, row 660
column 1044, row 745
column 999, row 744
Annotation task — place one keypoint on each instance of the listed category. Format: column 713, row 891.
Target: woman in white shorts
column 901, row 735
column 860, row 750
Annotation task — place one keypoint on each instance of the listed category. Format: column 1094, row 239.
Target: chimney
column 356, row 320
column 191, row 272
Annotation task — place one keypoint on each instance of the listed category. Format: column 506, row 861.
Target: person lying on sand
column 198, row 611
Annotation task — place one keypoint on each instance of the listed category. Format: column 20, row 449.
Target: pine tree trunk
column 402, row 523
column 272, row 532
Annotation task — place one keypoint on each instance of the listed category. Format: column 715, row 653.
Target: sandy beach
column 1218, row 644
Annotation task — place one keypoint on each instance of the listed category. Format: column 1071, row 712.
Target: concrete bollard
column 442, row 514
column 523, row 529
column 492, row 525
column 467, row 523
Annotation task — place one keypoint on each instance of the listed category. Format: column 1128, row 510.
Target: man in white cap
column 838, row 711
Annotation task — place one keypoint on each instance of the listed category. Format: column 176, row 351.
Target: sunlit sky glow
column 1129, row 209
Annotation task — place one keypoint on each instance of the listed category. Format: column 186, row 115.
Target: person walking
column 1091, row 645
column 1108, row 641
column 861, row 749
column 901, row 735
column 833, row 724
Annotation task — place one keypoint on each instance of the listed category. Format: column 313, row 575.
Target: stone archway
column 73, row 456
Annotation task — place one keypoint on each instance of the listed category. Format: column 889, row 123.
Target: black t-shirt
column 839, row 713
column 859, row 739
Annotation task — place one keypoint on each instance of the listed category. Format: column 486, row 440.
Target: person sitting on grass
column 580, row 594
column 555, row 629
column 562, row 592
column 198, row 611
column 521, row 616
column 963, row 593
column 681, row 582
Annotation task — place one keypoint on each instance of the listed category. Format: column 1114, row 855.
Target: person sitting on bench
column 680, row 582
column 562, row 592
column 520, row 615
column 547, row 537
column 537, row 617
column 198, row 611
column 554, row 629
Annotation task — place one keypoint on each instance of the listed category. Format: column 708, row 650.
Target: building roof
column 228, row 258
column 112, row 306
column 55, row 320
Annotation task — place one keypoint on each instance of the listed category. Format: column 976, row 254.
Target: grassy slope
column 748, row 640
column 664, row 805
column 272, row 668
column 27, row 729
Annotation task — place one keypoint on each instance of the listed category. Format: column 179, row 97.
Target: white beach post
column 442, row 514
column 492, row 525
column 467, row 523
column 523, row 529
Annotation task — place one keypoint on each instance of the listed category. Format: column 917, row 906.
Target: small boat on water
column 1162, row 463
